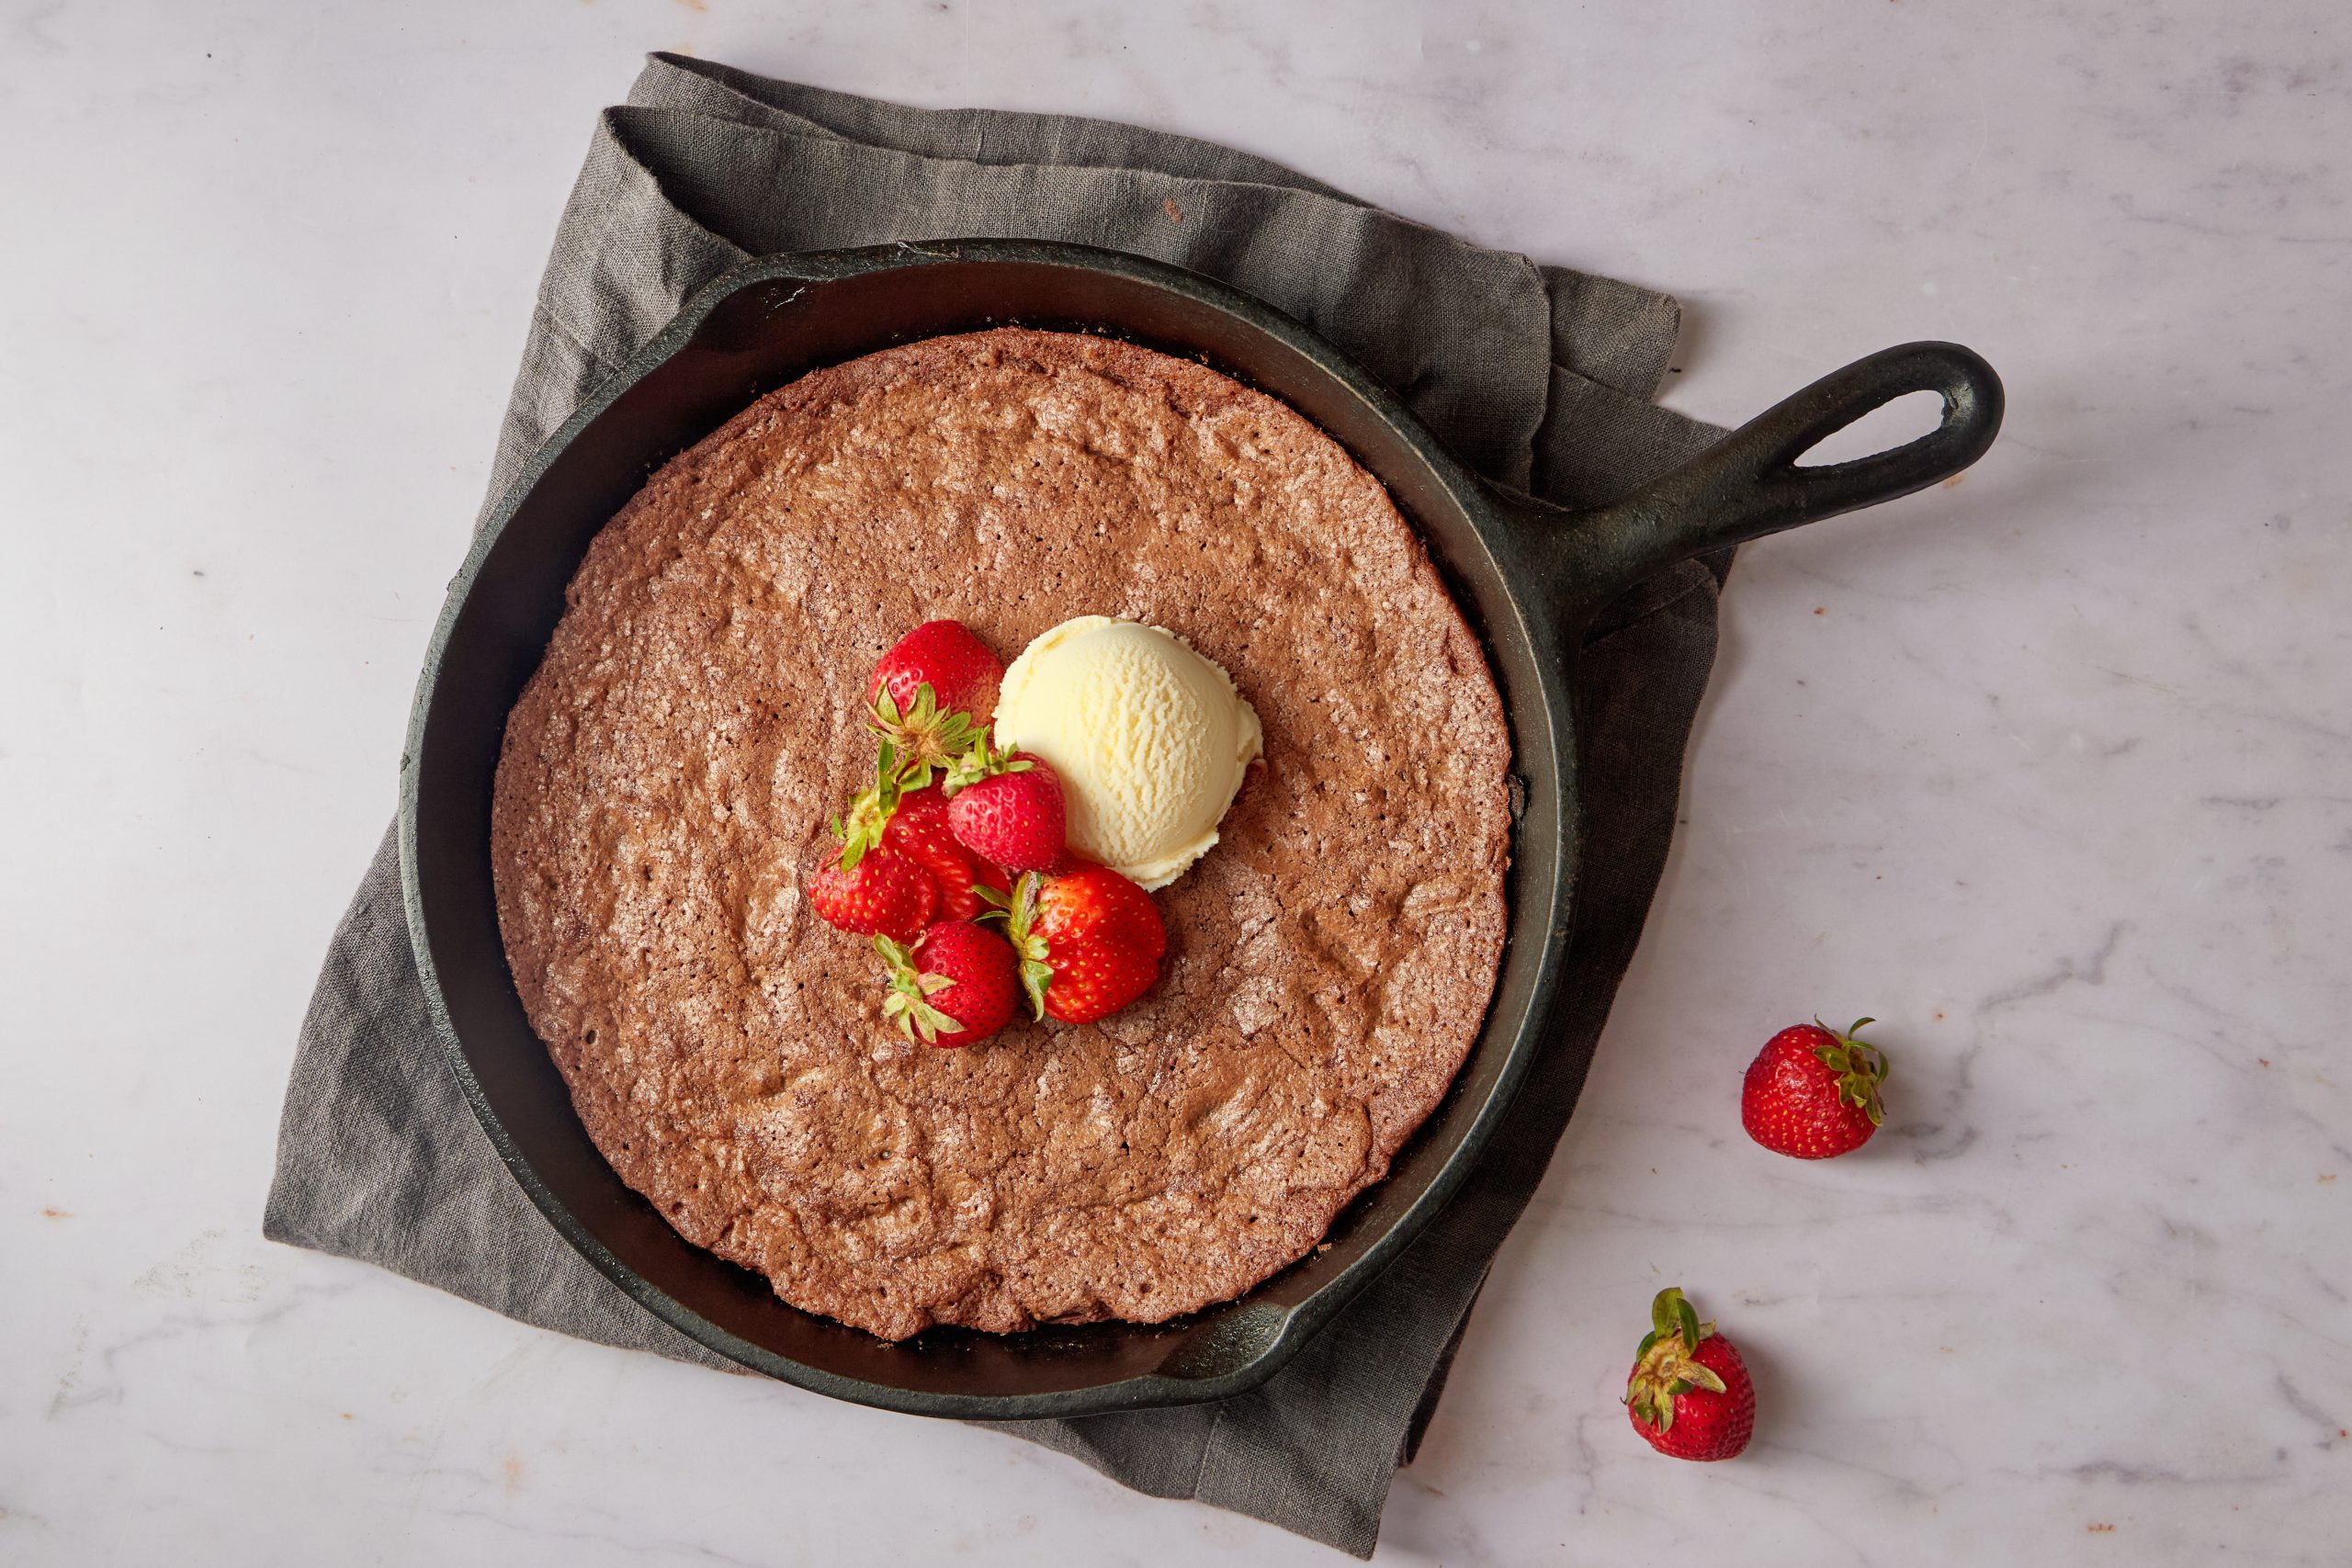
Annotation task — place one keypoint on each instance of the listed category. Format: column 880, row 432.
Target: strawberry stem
column 982, row 760
column 869, row 814
column 915, row 743
column 1664, row 1369
column 1019, row 913
column 929, row 738
column 1860, row 1067
column 909, row 1001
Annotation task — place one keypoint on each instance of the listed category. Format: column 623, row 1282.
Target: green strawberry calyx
column 916, row 742
column 1018, row 910
column 869, row 813
column 924, row 736
column 1860, row 1067
column 981, row 761
column 908, row 1004
column 1665, row 1367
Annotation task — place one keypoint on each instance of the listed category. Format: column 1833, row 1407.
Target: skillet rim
column 1543, row 880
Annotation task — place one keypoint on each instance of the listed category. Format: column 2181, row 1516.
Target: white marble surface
column 2052, row 772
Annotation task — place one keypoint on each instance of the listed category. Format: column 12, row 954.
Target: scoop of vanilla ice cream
column 1151, row 740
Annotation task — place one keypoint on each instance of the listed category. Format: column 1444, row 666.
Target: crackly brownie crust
column 668, row 773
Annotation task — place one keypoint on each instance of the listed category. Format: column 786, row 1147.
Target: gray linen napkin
column 1540, row 376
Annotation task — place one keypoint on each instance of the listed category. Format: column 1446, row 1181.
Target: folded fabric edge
column 1620, row 334
column 964, row 134
column 1574, row 394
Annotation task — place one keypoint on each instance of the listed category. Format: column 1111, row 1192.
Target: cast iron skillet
column 1530, row 576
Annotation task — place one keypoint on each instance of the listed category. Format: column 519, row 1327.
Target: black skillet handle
column 1750, row 484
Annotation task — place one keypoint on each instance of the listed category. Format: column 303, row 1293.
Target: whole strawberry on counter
column 1812, row 1093
column 957, row 986
column 1689, row 1396
column 1090, row 941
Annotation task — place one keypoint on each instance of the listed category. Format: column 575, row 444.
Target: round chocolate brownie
column 668, row 773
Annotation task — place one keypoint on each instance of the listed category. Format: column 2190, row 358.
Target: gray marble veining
column 2051, row 769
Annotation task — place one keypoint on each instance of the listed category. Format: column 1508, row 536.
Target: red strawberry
column 1090, row 941
column 1690, row 1394
column 1812, row 1093
column 1015, row 818
column 960, row 983
column 918, row 829
column 880, row 894
column 934, row 695
column 961, row 672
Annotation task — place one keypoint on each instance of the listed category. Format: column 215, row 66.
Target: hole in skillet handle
column 1885, row 427
column 1751, row 483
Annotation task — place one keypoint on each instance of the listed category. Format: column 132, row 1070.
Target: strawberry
column 959, row 985
column 1090, row 941
column 943, row 655
column 1812, row 1093
column 1015, row 818
column 918, row 829
column 934, row 695
column 1689, row 1395
column 882, row 894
